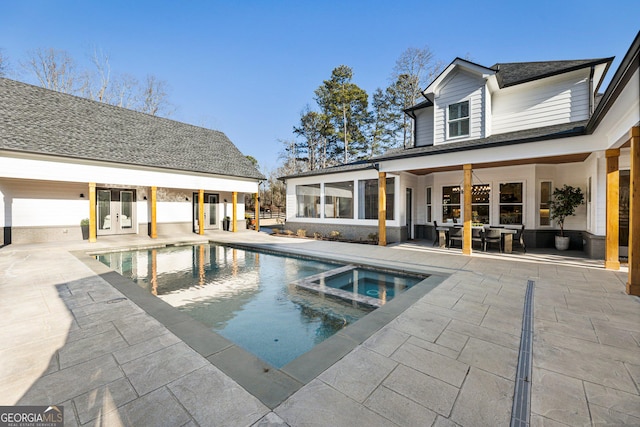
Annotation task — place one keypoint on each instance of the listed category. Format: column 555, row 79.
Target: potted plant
column 563, row 203
column 84, row 225
column 225, row 223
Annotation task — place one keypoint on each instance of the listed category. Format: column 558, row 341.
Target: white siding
column 461, row 86
column 424, row 127
column 545, row 102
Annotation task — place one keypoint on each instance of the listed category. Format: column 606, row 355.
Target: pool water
column 251, row 298
column 383, row 286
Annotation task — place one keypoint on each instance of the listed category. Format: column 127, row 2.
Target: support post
column 382, row 208
column 154, row 225
column 466, row 191
column 92, row 213
column 234, row 220
column 633, row 283
column 256, row 204
column 612, row 244
column 201, row 212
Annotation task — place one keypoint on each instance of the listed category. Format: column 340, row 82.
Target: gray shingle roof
column 37, row 120
column 513, row 73
column 509, row 138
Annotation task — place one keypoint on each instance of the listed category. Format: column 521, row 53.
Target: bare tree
column 4, row 64
column 98, row 81
column 414, row 70
column 154, row 98
column 55, row 70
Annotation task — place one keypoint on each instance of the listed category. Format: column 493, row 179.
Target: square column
column 633, row 283
column 612, row 243
column 154, row 225
column 201, row 212
column 92, row 213
column 382, row 208
column 234, row 221
column 466, row 191
column 256, row 209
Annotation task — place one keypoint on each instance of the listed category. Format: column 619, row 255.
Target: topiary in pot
column 563, row 204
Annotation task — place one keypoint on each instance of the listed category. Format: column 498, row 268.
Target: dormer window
column 458, row 119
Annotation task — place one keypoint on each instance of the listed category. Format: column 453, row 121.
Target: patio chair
column 518, row 238
column 455, row 234
column 492, row 236
column 477, row 235
column 436, row 240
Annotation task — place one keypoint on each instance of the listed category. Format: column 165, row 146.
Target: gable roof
column 514, row 73
column 42, row 121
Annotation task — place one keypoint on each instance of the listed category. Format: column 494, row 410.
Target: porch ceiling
column 548, row 160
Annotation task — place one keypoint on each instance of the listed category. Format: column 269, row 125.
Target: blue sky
column 248, row 68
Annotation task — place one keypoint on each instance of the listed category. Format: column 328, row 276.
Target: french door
column 210, row 211
column 115, row 211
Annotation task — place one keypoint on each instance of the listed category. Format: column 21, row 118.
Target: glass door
column 116, row 211
column 210, row 211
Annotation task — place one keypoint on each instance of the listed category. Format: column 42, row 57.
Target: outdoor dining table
column 505, row 233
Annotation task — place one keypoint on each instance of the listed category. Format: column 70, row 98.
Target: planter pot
column 225, row 224
column 562, row 243
column 85, row 232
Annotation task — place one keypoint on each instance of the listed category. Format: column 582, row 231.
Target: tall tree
column 314, row 130
column 154, row 98
column 382, row 126
column 414, row 70
column 345, row 104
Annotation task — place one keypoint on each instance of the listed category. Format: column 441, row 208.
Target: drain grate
column 521, row 411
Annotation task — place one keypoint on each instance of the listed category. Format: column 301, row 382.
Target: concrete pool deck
column 69, row 337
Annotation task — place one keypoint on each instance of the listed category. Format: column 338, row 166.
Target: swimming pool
column 246, row 296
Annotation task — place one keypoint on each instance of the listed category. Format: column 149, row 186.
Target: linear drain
column 521, row 410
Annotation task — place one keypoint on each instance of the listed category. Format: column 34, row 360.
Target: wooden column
column 612, row 243
column 154, row 224
column 234, row 219
column 633, row 283
column 256, row 204
column 92, row 213
column 466, row 192
column 382, row 208
column 201, row 212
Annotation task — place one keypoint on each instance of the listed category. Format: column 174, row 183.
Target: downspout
column 592, row 95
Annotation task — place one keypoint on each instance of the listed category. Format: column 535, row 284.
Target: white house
column 491, row 145
column 64, row 159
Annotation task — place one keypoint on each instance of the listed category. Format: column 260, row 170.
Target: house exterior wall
column 424, row 127
column 544, row 102
column 460, row 86
column 40, row 196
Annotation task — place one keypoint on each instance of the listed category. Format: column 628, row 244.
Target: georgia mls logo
column 31, row 416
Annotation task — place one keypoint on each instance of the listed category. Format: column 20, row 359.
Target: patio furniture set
column 504, row 236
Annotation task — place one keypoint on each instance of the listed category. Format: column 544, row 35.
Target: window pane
column 510, row 214
column 308, row 201
column 511, row 192
column 450, row 202
column 338, row 200
column 480, row 194
column 368, row 198
column 464, row 109
column 428, row 195
column 545, row 197
column 453, row 112
column 464, row 127
column 480, row 214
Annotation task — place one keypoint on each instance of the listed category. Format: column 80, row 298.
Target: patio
column 68, row 337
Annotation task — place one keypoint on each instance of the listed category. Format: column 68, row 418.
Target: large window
column 338, row 200
column 450, row 203
column 368, row 198
column 458, row 119
column 511, row 203
column 480, row 203
column 429, row 205
column 308, row 201
column 545, row 199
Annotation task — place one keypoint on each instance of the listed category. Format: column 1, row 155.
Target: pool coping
column 270, row 385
